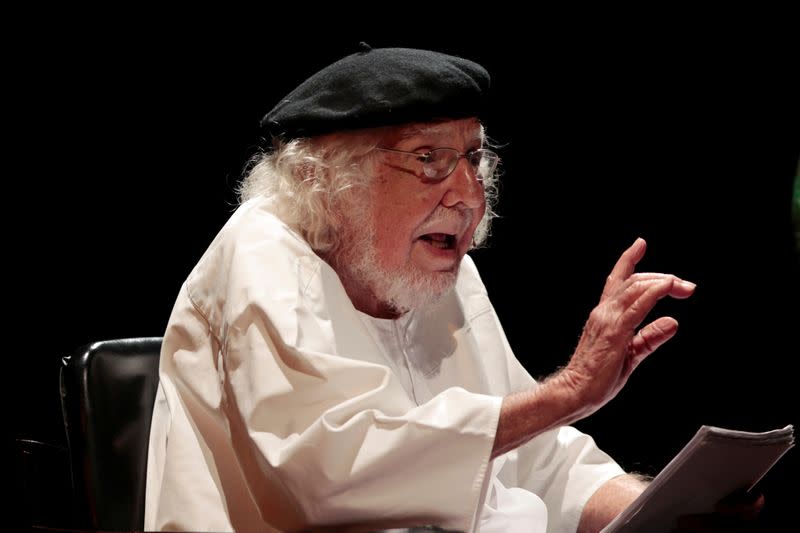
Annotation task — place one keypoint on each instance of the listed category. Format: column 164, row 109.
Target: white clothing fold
column 281, row 407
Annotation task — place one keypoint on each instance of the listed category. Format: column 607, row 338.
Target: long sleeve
column 563, row 467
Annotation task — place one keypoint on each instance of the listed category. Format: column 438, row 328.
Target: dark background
column 128, row 140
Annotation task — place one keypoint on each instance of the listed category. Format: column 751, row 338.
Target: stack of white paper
column 715, row 463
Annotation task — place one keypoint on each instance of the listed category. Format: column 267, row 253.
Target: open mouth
column 443, row 241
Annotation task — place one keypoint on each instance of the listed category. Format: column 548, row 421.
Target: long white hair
column 309, row 177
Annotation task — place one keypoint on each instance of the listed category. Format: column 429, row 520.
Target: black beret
column 381, row 87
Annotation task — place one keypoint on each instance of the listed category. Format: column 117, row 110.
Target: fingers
column 664, row 284
column 624, row 266
column 623, row 274
column 640, row 296
column 681, row 288
column 650, row 337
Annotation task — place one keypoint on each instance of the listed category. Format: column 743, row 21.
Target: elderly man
column 333, row 360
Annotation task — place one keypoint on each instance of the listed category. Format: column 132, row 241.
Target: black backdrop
column 127, row 144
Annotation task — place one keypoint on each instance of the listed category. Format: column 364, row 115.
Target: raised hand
column 611, row 346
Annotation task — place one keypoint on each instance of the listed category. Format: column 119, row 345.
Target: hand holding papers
column 715, row 463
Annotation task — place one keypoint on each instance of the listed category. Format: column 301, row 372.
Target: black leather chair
column 108, row 390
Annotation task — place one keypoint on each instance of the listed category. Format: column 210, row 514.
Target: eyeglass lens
column 442, row 161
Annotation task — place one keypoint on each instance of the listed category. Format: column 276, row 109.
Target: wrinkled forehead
column 439, row 132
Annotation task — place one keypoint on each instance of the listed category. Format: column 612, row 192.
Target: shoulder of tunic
column 256, row 259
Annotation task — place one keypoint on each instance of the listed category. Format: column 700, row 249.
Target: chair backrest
column 108, row 390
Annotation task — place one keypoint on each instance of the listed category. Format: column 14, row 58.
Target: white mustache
column 444, row 215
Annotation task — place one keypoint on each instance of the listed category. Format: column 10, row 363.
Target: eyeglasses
column 439, row 163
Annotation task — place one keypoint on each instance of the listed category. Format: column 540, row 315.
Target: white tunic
column 282, row 407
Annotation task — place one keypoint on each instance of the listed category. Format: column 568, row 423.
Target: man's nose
column 464, row 187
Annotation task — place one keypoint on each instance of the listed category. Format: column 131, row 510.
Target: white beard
column 402, row 289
